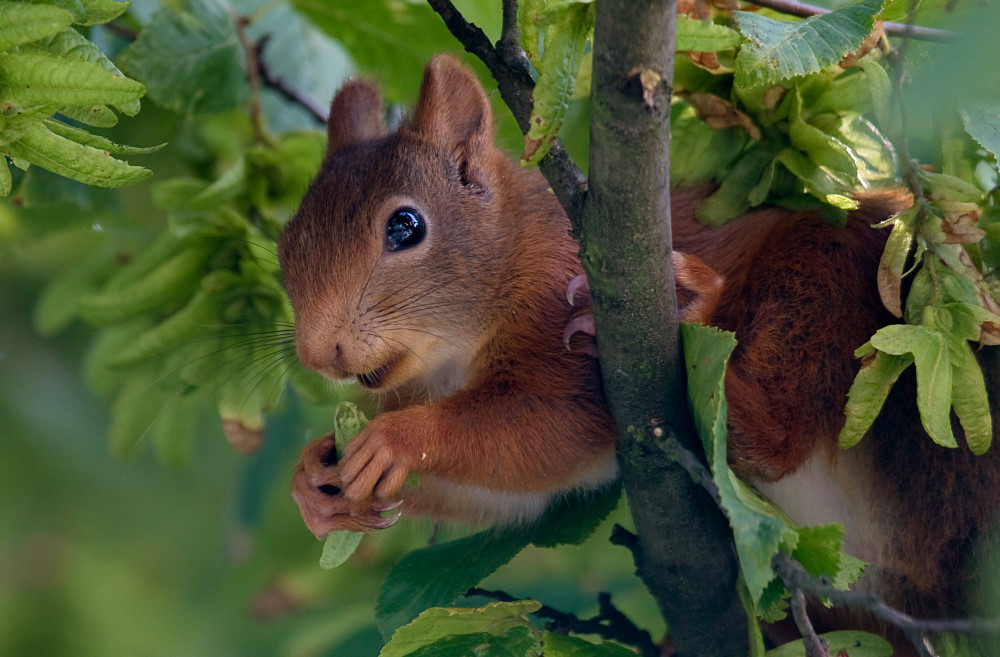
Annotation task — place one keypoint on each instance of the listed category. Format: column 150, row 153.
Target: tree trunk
column 685, row 553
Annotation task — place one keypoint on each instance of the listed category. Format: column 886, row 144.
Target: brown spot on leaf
column 719, row 113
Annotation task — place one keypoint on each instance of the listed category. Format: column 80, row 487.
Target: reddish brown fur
column 530, row 417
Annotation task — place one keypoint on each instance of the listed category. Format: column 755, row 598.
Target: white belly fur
column 832, row 489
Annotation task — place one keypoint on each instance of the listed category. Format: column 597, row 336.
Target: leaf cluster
column 54, row 80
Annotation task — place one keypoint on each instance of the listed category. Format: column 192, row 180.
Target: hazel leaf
column 23, row 23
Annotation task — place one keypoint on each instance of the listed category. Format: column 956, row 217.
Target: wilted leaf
column 868, row 393
column 564, row 41
column 719, row 113
column 893, row 261
column 934, row 380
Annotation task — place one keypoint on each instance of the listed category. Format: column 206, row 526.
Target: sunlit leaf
column 23, row 23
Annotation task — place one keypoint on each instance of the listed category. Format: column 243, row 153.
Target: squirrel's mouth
column 374, row 379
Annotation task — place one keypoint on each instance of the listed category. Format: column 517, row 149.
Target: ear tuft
column 453, row 110
column 356, row 116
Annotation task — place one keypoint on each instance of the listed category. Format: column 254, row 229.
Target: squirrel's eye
column 406, row 228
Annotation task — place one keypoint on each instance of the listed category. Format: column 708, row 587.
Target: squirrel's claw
column 576, row 284
column 581, row 324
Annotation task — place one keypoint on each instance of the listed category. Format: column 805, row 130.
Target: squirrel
column 430, row 267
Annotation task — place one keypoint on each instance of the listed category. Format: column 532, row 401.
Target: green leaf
column 5, row 180
column 57, row 305
column 700, row 153
column 75, row 161
column 857, row 644
column 942, row 186
column 557, row 645
column 199, row 314
column 348, row 421
column 528, row 19
column 174, row 429
column 564, row 46
column 817, row 181
column 868, row 393
column 934, row 380
column 694, row 35
column 135, row 408
column 338, row 547
column 982, row 122
column 95, row 141
column 33, row 78
column 103, row 11
column 501, row 620
column 733, row 196
column 191, row 58
column 781, row 50
column 174, row 278
column 438, row 575
column 969, row 397
column 97, row 116
column 72, row 45
column 23, row 23
column 758, row 536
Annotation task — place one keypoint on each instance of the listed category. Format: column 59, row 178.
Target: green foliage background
column 185, row 547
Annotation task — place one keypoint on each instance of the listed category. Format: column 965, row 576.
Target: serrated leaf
column 558, row 645
column 893, row 260
column 982, row 122
column 24, row 23
column 515, row 642
column 33, row 78
column 853, row 642
column 191, row 58
column 694, row 35
column 782, row 50
column 564, row 44
column 868, row 394
column 942, row 186
column 969, row 398
column 758, row 536
column 934, row 381
column 498, row 619
column 72, row 45
column 75, row 161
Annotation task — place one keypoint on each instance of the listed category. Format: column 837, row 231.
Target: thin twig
column 916, row 630
column 509, row 67
column 610, row 623
column 814, row 645
column 803, row 10
column 272, row 81
column 250, row 52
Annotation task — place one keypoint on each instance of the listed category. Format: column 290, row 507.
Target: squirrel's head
column 394, row 255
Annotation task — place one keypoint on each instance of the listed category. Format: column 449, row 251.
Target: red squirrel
column 433, row 269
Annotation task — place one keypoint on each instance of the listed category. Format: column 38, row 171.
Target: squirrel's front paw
column 317, row 489
column 377, row 462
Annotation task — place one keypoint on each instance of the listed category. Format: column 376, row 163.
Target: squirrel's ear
column 453, row 110
column 356, row 116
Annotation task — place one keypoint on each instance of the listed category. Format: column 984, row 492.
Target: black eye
column 406, row 228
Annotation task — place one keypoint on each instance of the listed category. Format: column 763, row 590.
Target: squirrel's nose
column 325, row 358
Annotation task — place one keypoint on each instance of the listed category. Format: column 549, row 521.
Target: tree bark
column 685, row 553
